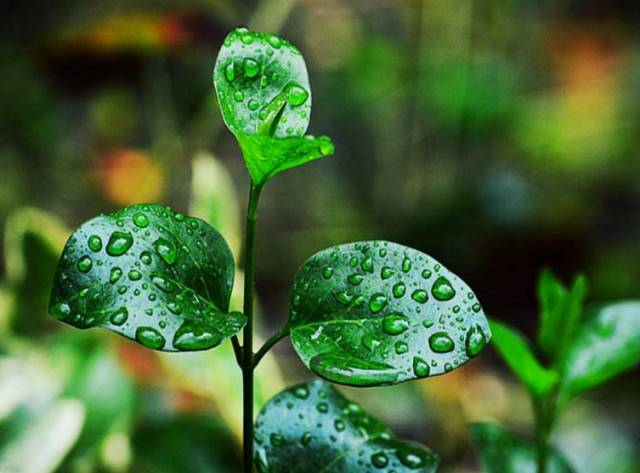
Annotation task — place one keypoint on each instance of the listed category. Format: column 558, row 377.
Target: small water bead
column 420, row 295
column 238, row 96
column 377, row 302
column 327, row 272
column 355, row 279
column 166, row 250
column 253, row 104
column 322, row 407
column 339, row 425
column 343, row 297
column 84, row 264
column 246, row 37
column 115, row 275
column 406, row 264
column 412, row 457
column 401, row 347
column 145, row 257
column 426, row 274
column 456, row 309
column 476, row 307
column 135, row 275
column 441, row 342
column 276, row 440
column 379, row 460
column 174, row 308
column 367, row 265
column 150, row 338
column 140, row 220
column 95, row 243
column 353, row 262
column 119, row 243
column 395, row 324
column 475, row 341
column 399, row 290
column 274, row 41
column 296, row 95
column 230, row 72
column 442, row 289
column 305, row 439
column 301, row 392
column 119, row 317
column 251, row 67
column 420, row 367
column 386, row 272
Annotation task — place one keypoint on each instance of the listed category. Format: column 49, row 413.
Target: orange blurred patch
column 140, row 363
column 130, row 176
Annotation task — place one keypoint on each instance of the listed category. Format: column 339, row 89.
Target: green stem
column 546, row 409
column 247, row 348
column 279, row 335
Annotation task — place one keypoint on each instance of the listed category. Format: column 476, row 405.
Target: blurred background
column 499, row 136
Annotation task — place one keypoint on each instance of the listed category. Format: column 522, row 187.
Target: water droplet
column 162, row 283
column 367, row 265
column 95, row 243
column 442, row 289
column 119, row 243
column 296, row 95
column 274, row 41
column 150, row 337
column 140, row 220
column 370, row 341
column 251, row 67
column 379, row 460
column 327, row 272
column 84, row 264
column 120, row 316
column 305, row 439
column 386, row 272
column 238, row 96
column 412, row 457
column 145, row 257
column 377, row 302
column 399, row 290
column 420, row 367
column 406, row 264
column 476, row 307
column 135, row 275
column 253, row 104
column 426, row 273
column 166, row 250
column 115, row 275
column 343, row 297
column 174, row 308
column 230, row 72
column 395, row 324
column 61, row 311
column 339, row 425
column 192, row 336
column 401, row 347
column 441, row 342
column 475, row 341
column 420, row 295
column 322, row 407
column 301, row 392
column 355, row 279
column 276, row 440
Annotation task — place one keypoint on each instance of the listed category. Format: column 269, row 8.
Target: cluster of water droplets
column 412, row 314
column 135, row 272
column 324, row 427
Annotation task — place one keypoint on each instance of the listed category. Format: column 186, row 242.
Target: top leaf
column 150, row 274
column 374, row 313
column 262, row 85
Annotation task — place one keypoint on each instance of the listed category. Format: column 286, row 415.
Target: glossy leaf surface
column 262, row 85
column 374, row 313
column 312, row 427
column 518, row 355
column 603, row 347
column 151, row 275
column 500, row 452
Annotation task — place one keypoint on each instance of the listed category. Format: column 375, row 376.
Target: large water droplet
column 401, row 347
column 230, row 72
column 420, row 295
column 420, row 367
column 274, row 41
column 327, row 272
column 251, row 67
column 367, row 265
column 386, row 272
column 140, row 220
column 195, row 337
column 166, row 250
column 379, row 460
column 355, row 279
column 84, row 264
column 377, row 302
column 95, row 243
column 475, row 341
column 395, row 324
column 115, row 275
column 135, row 275
column 442, row 289
column 399, row 289
column 120, row 316
column 296, row 95
column 412, row 457
column 150, row 337
column 162, row 283
column 119, row 243
column 406, row 264
column 441, row 342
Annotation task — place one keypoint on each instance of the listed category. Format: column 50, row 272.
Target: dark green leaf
column 312, row 427
column 500, row 452
column 604, row 346
column 560, row 311
column 268, row 156
column 262, row 85
column 516, row 353
column 373, row 313
column 151, row 275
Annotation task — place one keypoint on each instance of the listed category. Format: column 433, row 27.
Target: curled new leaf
column 312, row 427
column 151, row 275
column 374, row 313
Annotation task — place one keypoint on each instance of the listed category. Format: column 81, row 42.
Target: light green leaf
column 500, row 452
column 312, row 427
column 262, row 85
column 517, row 354
column 151, row 275
column 374, row 313
column 603, row 347
column 267, row 156
column 560, row 311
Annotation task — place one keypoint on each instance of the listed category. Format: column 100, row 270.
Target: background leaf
column 603, row 347
column 150, row 274
column 375, row 312
column 500, row 452
column 312, row 427
column 262, row 85
column 517, row 354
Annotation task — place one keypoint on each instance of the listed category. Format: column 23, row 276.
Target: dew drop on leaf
column 399, row 290
column 377, row 302
column 150, row 337
column 420, row 367
column 441, row 342
column 442, row 289
column 296, row 95
column 120, row 316
column 230, row 72
column 420, row 295
column 84, row 264
column 119, row 243
column 475, row 341
column 140, row 220
column 194, row 337
column 395, row 324
column 115, row 275
column 95, row 243
column 166, row 250
column 379, row 460
column 251, row 67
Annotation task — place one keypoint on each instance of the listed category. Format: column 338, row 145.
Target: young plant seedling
column 362, row 314
column 581, row 349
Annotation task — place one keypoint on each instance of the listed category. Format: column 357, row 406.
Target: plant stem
column 279, row 335
column 247, row 346
column 545, row 409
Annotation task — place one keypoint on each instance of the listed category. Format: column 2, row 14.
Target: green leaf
column 604, row 346
column 560, row 311
column 500, row 452
column 312, row 427
column 266, row 156
column 516, row 353
column 151, row 275
column 262, row 85
column 374, row 313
